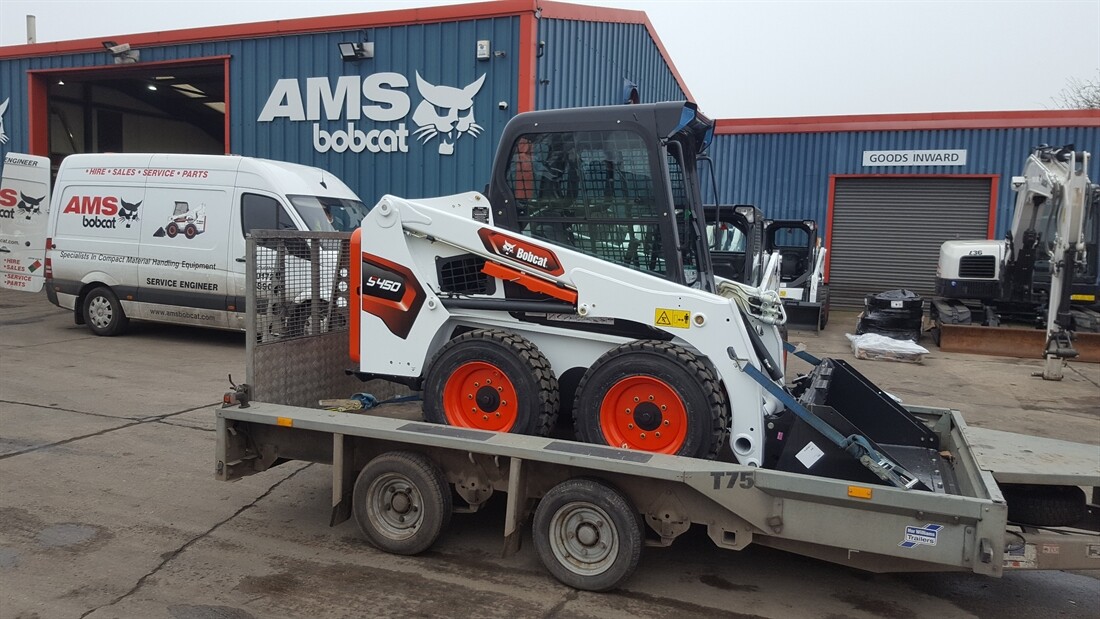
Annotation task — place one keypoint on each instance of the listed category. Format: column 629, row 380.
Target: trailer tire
column 588, row 535
column 681, row 405
column 1044, row 506
column 103, row 313
column 459, row 389
column 402, row 502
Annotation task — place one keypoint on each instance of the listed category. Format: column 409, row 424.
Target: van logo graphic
column 921, row 536
column 30, row 206
column 3, row 108
column 94, row 211
column 128, row 212
column 456, row 115
column 191, row 221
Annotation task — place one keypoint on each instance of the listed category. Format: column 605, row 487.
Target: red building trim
column 38, row 123
column 528, row 10
column 304, row 25
column 991, row 226
column 910, row 122
column 38, row 116
column 527, row 71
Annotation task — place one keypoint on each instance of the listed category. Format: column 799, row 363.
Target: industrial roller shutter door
column 887, row 232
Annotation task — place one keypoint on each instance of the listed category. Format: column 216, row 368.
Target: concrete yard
column 109, row 507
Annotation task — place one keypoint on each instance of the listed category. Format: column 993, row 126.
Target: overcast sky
column 744, row 59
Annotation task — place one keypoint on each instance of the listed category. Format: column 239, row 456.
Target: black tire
column 402, row 502
column 172, row 230
column 823, row 293
column 454, row 380
column 588, row 535
column 678, row 377
column 1044, row 506
column 190, row 231
column 103, row 313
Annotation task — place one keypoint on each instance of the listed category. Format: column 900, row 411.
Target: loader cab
column 735, row 237
column 1085, row 284
column 619, row 183
column 795, row 240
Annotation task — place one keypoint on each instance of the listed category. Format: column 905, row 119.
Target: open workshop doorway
column 170, row 107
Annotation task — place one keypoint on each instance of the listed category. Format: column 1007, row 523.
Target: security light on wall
column 356, row 51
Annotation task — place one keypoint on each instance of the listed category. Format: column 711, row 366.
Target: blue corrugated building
column 412, row 102
column 886, row 191
column 409, row 102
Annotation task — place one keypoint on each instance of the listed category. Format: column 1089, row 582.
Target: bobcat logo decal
column 128, row 212
column 30, row 206
column 3, row 108
column 446, row 112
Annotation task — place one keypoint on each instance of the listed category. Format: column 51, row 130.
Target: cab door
column 24, row 213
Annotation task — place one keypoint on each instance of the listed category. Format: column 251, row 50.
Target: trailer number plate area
column 1021, row 556
column 677, row 319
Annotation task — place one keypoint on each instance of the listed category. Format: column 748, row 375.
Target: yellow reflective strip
column 286, row 422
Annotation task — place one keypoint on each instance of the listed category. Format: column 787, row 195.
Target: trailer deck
column 875, row 528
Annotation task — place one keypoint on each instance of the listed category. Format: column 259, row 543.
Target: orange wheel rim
column 480, row 395
column 644, row 413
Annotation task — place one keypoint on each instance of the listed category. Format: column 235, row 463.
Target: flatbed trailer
column 593, row 508
column 871, row 527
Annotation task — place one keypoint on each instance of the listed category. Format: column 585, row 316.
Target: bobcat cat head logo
column 29, row 205
column 3, row 108
column 446, row 112
column 128, row 212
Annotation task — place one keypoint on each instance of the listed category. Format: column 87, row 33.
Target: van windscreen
column 326, row 214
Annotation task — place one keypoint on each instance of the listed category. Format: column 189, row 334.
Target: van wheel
column 172, row 230
column 190, row 231
column 103, row 313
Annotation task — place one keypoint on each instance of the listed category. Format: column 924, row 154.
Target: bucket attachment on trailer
column 843, row 427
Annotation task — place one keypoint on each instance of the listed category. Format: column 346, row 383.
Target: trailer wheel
column 588, row 535
column 652, row 396
column 172, row 230
column 491, row 380
column 190, row 231
column 103, row 313
column 402, row 502
column 1044, row 506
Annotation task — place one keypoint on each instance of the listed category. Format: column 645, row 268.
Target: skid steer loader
column 588, row 265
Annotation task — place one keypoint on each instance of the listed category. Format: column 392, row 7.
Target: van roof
column 278, row 176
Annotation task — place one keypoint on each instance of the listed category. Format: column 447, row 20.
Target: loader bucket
column 804, row 316
column 852, row 405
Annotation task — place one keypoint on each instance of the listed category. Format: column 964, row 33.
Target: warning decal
column 677, row 319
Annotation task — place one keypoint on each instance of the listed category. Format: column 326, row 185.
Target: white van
column 154, row 237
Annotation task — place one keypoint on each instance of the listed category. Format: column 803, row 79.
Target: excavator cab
column 628, row 195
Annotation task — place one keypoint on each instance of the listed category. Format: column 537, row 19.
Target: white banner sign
column 879, row 158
